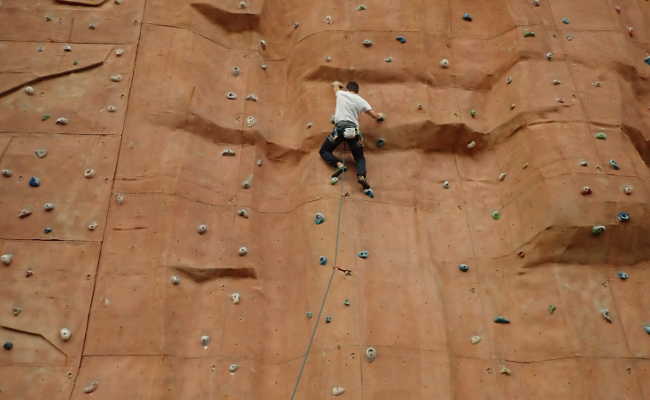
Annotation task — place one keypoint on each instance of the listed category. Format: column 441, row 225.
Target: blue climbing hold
column 624, row 276
column 363, row 254
column 34, row 181
column 501, row 320
column 467, row 17
column 647, row 329
column 623, row 217
column 381, row 142
column 8, row 346
column 647, row 60
column 463, row 267
column 323, row 260
column 401, row 39
column 47, row 229
column 319, row 218
column 565, row 21
column 614, row 165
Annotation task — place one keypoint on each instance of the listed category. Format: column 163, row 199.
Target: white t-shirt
column 348, row 107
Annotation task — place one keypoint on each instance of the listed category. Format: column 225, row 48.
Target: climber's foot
column 363, row 182
column 369, row 192
column 340, row 168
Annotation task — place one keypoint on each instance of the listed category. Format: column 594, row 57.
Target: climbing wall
column 169, row 231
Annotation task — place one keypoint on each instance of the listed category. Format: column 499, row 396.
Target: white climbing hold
column 367, row 43
column 259, row 163
column 16, row 311
column 116, row 78
column 111, row 108
column 549, row 55
column 628, row 189
column 338, row 390
column 444, row 63
column 250, row 121
column 119, row 198
column 119, row 52
column 471, row 144
column 243, row 213
column 475, row 339
column 334, row 180
column 65, row 334
column 606, row 315
column 7, row 173
column 371, row 354
column 445, row 184
column 232, row 368
column 502, row 176
column 91, row 387
column 231, row 96
column 248, row 182
column 89, row 173
column 40, row 153
column 236, row 71
column 420, row 107
column 556, row 82
column 596, row 84
column 67, row 47
column 205, row 341
column 62, row 121
column 328, row 58
column 48, row 206
column 24, row 213
column 536, row 3
column 505, row 371
column 243, row 251
column 228, row 152
column 309, row 125
column 243, row 4
column 508, row 80
column 264, row 67
column 388, row 60
column 328, row 20
column 235, row 297
column 92, row 26
column 6, row 258
column 175, row 280
column 251, row 97
column 263, row 44
column 92, row 226
column 559, row 100
column 29, row 90
column 584, row 163
column 201, row 229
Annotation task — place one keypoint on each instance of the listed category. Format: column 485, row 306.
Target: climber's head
column 352, row 86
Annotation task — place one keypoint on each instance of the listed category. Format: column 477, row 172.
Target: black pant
column 335, row 139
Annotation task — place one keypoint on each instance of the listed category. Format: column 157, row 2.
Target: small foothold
column 111, row 108
column 444, row 63
column 502, row 176
column 228, row 152
column 119, row 52
column 243, row 213
column 309, row 125
column 467, row 17
column 557, row 82
column 8, row 346
column 501, row 320
column 606, row 315
column 623, row 217
column 61, row 121
column 118, row 2
column 647, row 329
column 565, row 21
column 92, row 26
column 45, row 117
column 569, row 37
column 521, row 254
column 363, row 254
column 264, row 67
column 586, row 190
column 513, row 106
column 549, row 55
column 29, row 273
column 328, row 20
column 445, row 185
column 116, row 78
column 250, row 121
column 67, row 47
column 420, row 107
column 381, row 142
column 618, row 9
column 205, row 341
column 89, row 173
column 91, row 387
column 259, row 163
column 251, row 97
column 309, row 315
column 40, row 49
column 463, row 267
column 559, row 100
column 628, row 189
column 623, row 276
column 7, row 173
column 119, row 198
column 243, row 4
column 24, row 213
column 475, row 339
column 232, row 368
column 29, row 90
column 505, row 371
column 371, row 354
column 597, row 230
column 496, row 215
column 201, row 229
column 471, row 144
column 338, row 390
column 536, row 3
column 596, row 84
column 235, row 297
column 34, row 181
column 296, row 25
column 551, row 309
column 247, row 183
column 367, row 43
column 175, row 280
column 630, row 30
column 263, row 44
column 361, row 7
column 65, row 334
column 347, row 302
column 92, row 226
column 584, row 163
column 47, row 229
column 388, row 60
column 6, row 258
column 473, row 113
column 322, row 260
column 243, row 251
column 236, row 71
column 328, row 319
column 401, row 39
column 319, row 218
column 231, row 96
column 614, row 165
column 508, row 80
column 528, row 34
column 16, row 311
column 600, row 135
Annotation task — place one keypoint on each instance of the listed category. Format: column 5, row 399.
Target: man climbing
column 346, row 128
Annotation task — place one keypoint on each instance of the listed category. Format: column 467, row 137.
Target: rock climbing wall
column 161, row 183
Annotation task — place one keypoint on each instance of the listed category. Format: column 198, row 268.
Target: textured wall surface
column 136, row 165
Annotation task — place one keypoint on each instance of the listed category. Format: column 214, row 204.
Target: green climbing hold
column 309, row 314
column 601, row 135
column 551, row 309
column 529, row 34
column 501, row 320
column 346, row 302
column 496, row 215
column 473, row 113
column 45, row 117
column 597, row 230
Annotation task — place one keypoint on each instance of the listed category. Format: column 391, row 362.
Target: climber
column 346, row 128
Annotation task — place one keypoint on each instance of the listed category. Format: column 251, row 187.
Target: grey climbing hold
column 502, row 176
column 338, row 390
column 614, row 165
column 296, row 25
column 92, row 226
column 250, row 121
column 231, row 96
column 62, row 121
column 89, row 173
column 319, row 218
column 565, row 21
column 363, row 254
column 381, row 142
column 235, row 298
column 228, row 152
column 347, row 302
column 388, row 60
column 501, row 320
column 236, row 71
column 251, row 97
column 111, row 108
column 475, row 339
column 586, row 190
column 243, row 251
column 597, row 230
column 119, row 52
column 496, row 215
column 47, row 229
column 322, row 260
column 16, row 311
column 467, row 17
column 371, row 354
column 606, row 315
column 201, row 229
column 243, row 213
column 362, row 7
column 328, row 319
column 248, row 182
column 175, row 280
column 67, row 47
column 445, row 185
column 367, row 43
column 7, row 173
column 463, row 267
column 8, row 346
column 628, row 189
column 647, row 329
column 623, row 276
column 328, row 20
column 116, row 78
column 34, row 181
column 263, row 44
column 600, row 135
column 119, row 198
column 623, row 217
column 309, row 315
column 6, row 258
column 243, row 4
column 29, row 90
column 205, row 341
column 444, row 63
column 91, row 387
column 65, row 334
column 549, row 56
column 232, row 368
column 401, row 39
column 24, row 213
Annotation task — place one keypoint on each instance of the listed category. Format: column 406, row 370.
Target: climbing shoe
column 369, row 192
column 363, row 182
column 339, row 171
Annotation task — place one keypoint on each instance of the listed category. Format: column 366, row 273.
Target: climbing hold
column 623, row 276
column 475, row 339
column 381, row 142
column 29, row 273
column 322, row 260
column 420, row 107
column 111, row 108
column 236, row 71
column 467, row 17
column 45, row 117
column 243, row 213
column 369, row 192
column 338, row 390
column 231, row 96
column 630, row 30
column 40, row 49
column 647, row 329
column 62, row 121
column 556, row 82
column 502, row 176
column 528, row 33
column 508, row 80
column 496, row 215
column 614, row 165
column 328, row 319
column 228, row 152
column 628, row 189
column 463, row 267
column 549, row 56
column 597, row 230
column 92, row 26
column 647, row 60
column 232, row 368
column 595, row 84
column 473, row 113
column 8, row 346
column 89, row 173
column 501, row 320
column 235, row 297
column 586, row 190
column 401, row 39
column 505, row 371
column 347, row 302
column 29, row 90
column 361, row 7
column 7, row 173
column 565, row 21
column 444, row 63
column 65, row 334
column 91, row 387
column 47, row 229
column 319, row 218
column 606, row 315
column 243, row 251
column 248, row 182
column 513, row 106
column 201, row 229
column 6, row 258
column 259, row 163
column 559, row 100
column 388, row 60
column 264, row 66
column 205, row 341
column 583, row 163
column 243, row 4
column 551, row 309
column 24, row 213
column 119, row 198
column 263, row 44
column 471, row 145
column 521, row 254
column 536, row 3
column 328, row 20
column 309, row 315
column 600, row 135
column 175, row 280
column 67, row 47
column 334, row 180
column 363, row 254
column 116, row 78
column 309, row 125
column 118, row 2
column 250, row 121
column 623, row 217
column 367, row 43
column 119, row 52
column 92, row 226
column 371, row 354
column 445, row 185
column 251, row 97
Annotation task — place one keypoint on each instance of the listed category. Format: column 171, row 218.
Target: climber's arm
column 336, row 86
column 379, row 117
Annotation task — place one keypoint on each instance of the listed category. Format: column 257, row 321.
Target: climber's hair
column 352, row 86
